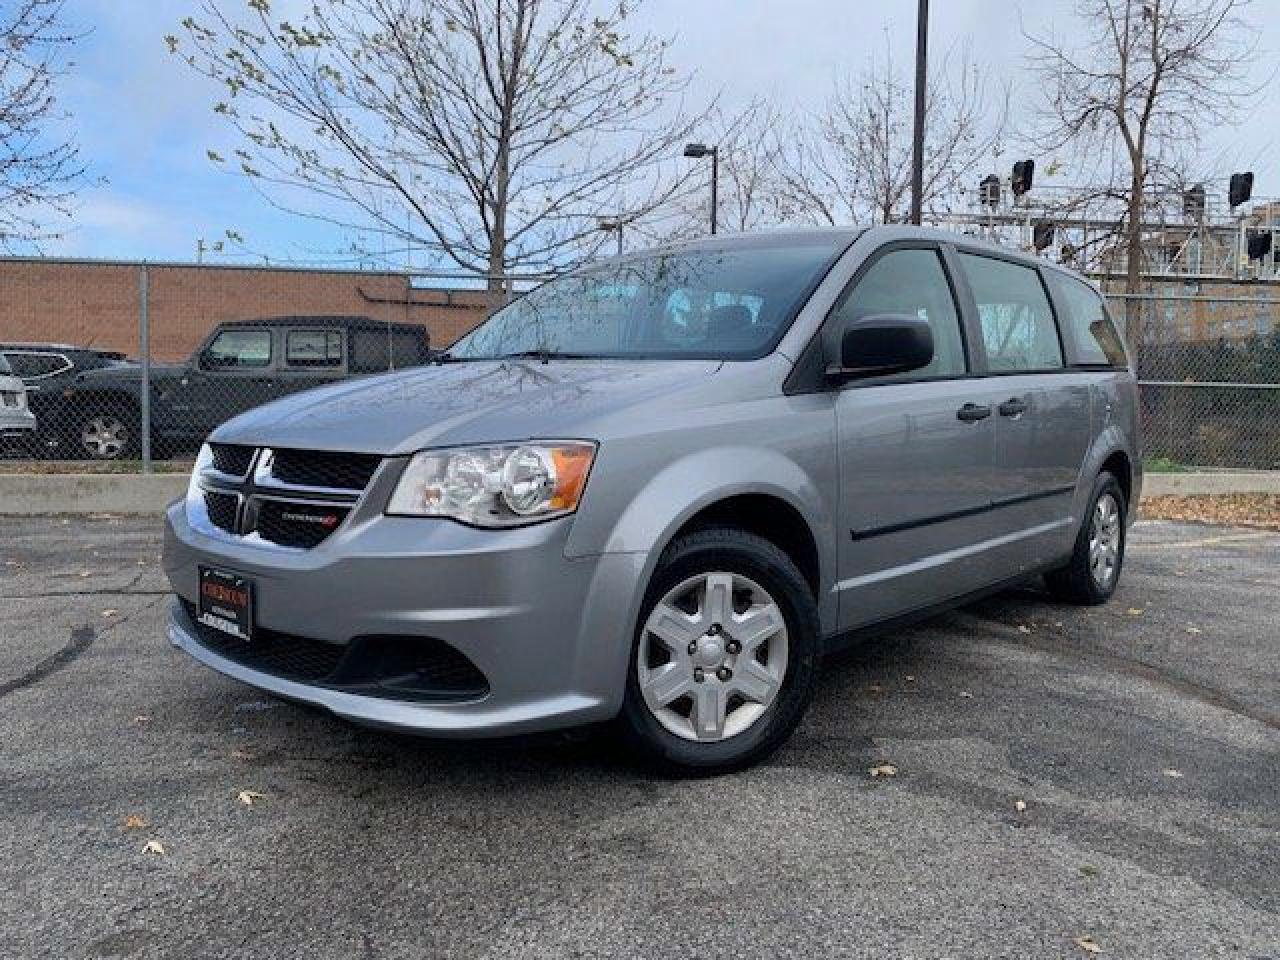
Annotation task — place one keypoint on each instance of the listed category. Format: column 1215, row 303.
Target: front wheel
column 1094, row 570
column 107, row 433
column 725, row 658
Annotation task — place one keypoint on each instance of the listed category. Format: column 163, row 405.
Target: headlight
column 195, row 494
column 501, row 486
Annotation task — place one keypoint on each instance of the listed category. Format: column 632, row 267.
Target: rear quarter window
column 1086, row 326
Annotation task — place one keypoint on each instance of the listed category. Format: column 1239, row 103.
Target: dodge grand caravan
column 660, row 488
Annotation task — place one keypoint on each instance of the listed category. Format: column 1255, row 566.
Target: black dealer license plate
column 226, row 602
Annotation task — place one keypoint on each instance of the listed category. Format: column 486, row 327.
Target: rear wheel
column 1094, row 570
column 725, row 659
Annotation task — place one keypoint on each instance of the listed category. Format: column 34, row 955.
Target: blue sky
column 144, row 120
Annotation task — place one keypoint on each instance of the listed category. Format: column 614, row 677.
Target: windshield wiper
column 544, row 355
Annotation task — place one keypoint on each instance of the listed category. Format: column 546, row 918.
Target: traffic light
column 1023, row 173
column 989, row 190
column 1258, row 243
column 1241, row 188
column 1042, row 235
column 1193, row 202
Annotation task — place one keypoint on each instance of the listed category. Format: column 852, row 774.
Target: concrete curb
column 26, row 494
column 1184, row 484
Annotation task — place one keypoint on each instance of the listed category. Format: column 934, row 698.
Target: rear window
column 4, row 366
column 313, row 348
column 1086, row 325
column 1018, row 330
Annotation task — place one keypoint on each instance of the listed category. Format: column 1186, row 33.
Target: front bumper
column 16, row 422
column 551, row 635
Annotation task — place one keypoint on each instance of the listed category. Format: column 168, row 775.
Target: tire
column 1082, row 581
column 765, row 683
column 108, row 432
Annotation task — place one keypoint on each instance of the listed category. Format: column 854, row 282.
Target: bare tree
column 492, row 133
column 39, row 167
column 855, row 161
column 1135, row 94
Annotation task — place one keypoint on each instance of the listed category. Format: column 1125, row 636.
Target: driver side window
column 235, row 349
column 910, row 282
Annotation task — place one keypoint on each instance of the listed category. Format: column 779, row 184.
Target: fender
column 697, row 480
column 1110, row 441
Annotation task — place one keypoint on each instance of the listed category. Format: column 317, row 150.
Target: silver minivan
column 660, row 488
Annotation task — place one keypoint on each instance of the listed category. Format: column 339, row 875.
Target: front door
column 916, row 453
column 233, row 373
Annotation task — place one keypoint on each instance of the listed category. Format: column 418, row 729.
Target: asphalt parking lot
column 1066, row 780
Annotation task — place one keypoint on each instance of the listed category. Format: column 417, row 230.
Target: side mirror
column 883, row 344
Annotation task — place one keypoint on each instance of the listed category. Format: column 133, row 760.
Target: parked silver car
column 17, row 422
column 660, row 488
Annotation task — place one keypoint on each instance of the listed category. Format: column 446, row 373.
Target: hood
column 470, row 402
column 130, row 372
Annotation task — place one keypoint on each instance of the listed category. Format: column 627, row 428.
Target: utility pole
column 917, row 135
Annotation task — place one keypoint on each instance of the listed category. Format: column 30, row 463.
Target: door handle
column 1013, row 407
column 972, row 412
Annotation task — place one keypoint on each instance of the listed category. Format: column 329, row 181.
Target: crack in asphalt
column 81, row 639
column 1098, row 656
column 85, row 593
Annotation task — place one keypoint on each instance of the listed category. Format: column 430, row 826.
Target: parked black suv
column 46, row 369
column 240, row 365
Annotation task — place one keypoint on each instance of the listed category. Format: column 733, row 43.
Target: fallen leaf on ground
column 1193, row 630
column 966, row 694
column 250, row 797
column 134, row 822
column 85, row 573
column 1170, row 772
column 1088, row 869
column 1087, row 945
column 153, row 846
column 1135, row 611
column 910, row 678
column 1260, row 510
column 1023, row 628
column 239, row 753
column 884, row 770
column 874, row 688
column 141, row 719
column 1020, row 806
column 110, row 612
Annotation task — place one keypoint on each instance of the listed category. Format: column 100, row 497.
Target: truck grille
column 292, row 498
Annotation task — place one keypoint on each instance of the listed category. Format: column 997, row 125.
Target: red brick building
column 98, row 304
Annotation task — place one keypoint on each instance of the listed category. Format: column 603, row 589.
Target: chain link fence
column 1209, row 370
column 128, row 366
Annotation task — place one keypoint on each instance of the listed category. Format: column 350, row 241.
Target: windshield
column 731, row 304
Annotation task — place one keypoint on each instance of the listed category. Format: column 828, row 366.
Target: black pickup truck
column 241, row 364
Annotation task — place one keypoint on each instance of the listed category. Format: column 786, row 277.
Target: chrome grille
column 291, row 498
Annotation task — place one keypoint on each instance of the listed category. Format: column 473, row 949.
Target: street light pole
column 697, row 151
column 917, row 135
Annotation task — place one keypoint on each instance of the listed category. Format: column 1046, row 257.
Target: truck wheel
column 107, row 433
column 1091, row 576
column 725, row 656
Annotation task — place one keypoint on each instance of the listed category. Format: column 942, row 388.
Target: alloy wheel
column 104, row 437
column 712, row 656
column 1105, row 540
